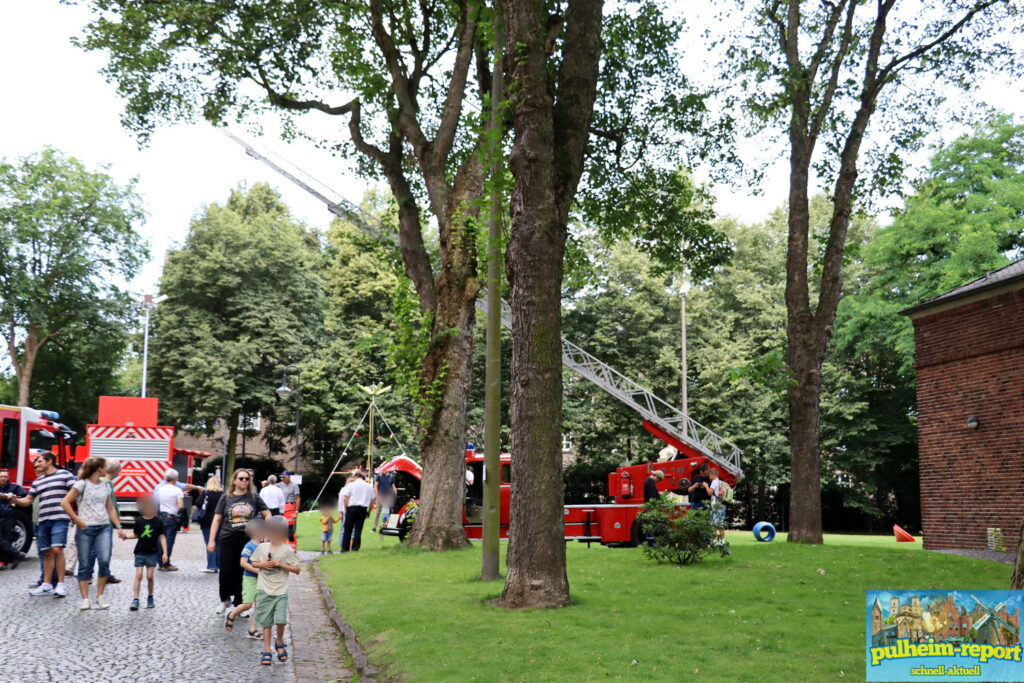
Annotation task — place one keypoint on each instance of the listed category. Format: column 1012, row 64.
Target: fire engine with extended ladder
column 612, row 523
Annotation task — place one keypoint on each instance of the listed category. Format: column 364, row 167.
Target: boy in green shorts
column 275, row 560
column 256, row 533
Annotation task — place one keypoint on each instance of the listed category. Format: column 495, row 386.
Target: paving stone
column 182, row 639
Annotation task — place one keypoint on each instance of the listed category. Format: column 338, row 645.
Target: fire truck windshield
column 41, row 438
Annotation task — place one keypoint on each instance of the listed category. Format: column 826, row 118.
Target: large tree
column 823, row 72
column 551, row 115
column 244, row 297
column 67, row 235
column 413, row 78
column 600, row 112
column 410, row 75
column 965, row 217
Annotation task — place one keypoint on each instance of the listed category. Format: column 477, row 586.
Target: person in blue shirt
column 256, row 530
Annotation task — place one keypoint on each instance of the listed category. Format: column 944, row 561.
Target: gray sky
column 63, row 101
column 56, row 96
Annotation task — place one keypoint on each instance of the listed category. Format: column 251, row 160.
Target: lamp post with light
column 147, row 302
column 284, row 391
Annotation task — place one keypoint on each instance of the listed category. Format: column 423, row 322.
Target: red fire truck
column 23, row 433
column 127, row 431
column 610, row 523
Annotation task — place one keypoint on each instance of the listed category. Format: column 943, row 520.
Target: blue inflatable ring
column 764, row 532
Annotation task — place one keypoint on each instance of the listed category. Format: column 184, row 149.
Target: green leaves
column 664, row 214
column 68, row 236
column 966, row 217
column 680, row 537
column 244, row 298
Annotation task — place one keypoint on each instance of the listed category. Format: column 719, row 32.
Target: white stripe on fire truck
column 105, row 432
column 139, row 476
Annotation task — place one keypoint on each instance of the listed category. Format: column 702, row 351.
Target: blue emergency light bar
column 50, row 415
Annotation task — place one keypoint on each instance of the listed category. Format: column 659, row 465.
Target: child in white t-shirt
column 276, row 561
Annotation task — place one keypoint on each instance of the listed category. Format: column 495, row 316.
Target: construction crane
column 660, row 418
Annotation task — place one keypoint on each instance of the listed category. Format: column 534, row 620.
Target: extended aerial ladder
column 660, row 418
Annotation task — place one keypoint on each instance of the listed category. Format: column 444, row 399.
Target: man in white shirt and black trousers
column 170, row 500
column 356, row 498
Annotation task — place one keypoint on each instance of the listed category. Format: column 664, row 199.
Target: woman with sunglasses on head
column 236, row 507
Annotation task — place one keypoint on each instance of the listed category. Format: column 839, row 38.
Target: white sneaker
column 61, row 591
column 223, row 606
column 208, row 571
column 42, row 589
column 85, row 605
column 101, row 602
column 244, row 615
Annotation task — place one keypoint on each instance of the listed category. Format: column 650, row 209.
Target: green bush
column 680, row 537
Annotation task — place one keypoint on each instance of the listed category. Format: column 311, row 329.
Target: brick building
column 970, row 403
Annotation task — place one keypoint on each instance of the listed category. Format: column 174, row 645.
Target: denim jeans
column 212, row 559
column 94, row 541
column 171, row 532
column 42, row 558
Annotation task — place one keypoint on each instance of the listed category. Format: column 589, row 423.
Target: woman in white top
column 96, row 519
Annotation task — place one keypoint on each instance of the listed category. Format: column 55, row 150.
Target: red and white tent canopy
column 401, row 463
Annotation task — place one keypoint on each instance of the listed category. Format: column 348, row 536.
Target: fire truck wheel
column 22, row 532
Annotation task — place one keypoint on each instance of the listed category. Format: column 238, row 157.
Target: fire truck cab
column 22, row 431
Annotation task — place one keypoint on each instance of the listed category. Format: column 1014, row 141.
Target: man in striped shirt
column 50, row 487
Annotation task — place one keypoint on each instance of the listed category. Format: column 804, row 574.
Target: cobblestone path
column 181, row 640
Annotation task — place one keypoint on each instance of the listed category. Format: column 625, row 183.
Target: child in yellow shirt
column 328, row 518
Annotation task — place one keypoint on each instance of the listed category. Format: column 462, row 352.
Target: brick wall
column 970, row 362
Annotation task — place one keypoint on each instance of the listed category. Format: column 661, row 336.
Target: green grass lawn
column 764, row 614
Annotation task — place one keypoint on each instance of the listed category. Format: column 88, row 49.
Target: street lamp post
column 147, row 303
column 284, row 391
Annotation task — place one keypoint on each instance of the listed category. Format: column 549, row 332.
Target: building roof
column 990, row 280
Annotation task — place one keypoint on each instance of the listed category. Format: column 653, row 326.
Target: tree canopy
column 69, row 241
column 244, row 298
column 965, row 217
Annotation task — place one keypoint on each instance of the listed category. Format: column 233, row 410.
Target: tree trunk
column 536, row 549
column 24, row 384
column 805, row 459
column 229, row 449
column 448, row 368
column 536, row 552
column 803, row 357
column 1017, row 580
column 25, row 367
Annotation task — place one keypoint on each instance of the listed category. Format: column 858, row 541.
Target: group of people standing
column 705, row 492
column 59, row 500
column 356, row 500
column 247, row 545
column 225, row 519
